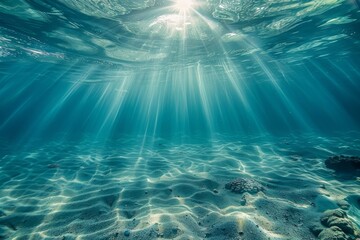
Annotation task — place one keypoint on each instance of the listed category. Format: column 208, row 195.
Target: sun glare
column 183, row 5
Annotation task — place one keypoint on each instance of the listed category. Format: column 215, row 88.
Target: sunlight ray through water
column 169, row 119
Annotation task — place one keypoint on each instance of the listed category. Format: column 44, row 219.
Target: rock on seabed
column 242, row 185
column 339, row 226
column 343, row 163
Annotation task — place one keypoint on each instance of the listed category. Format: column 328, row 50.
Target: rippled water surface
column 179, row 32
column 126, row 119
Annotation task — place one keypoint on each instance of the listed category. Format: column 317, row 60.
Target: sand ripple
column 83, row 190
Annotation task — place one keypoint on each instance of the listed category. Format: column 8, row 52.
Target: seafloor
column 135, row 188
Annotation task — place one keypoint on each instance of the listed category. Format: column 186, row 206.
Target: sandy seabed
column 159, row 189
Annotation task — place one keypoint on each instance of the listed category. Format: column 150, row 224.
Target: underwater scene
column 180, row 119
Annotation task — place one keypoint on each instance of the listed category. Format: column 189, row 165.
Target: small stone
column 53, row 165
column 215, row 191
column 243, row 201
column 127, row 233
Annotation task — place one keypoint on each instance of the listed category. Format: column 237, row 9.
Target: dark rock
column 344, row 224
column 337, row 219
column 332, row 213
column 343, row 163
column 242, row 185
column 127, row 233
column 53, row 165
column 243, row 200
column 333, row 233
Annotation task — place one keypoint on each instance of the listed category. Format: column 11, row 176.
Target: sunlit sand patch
column 187, row 199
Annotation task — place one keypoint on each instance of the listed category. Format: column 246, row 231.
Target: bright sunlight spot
column 183, row 5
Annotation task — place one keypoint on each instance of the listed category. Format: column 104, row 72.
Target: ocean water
column 131, row 119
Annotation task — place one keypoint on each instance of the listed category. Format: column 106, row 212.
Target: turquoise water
column 126, row 119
